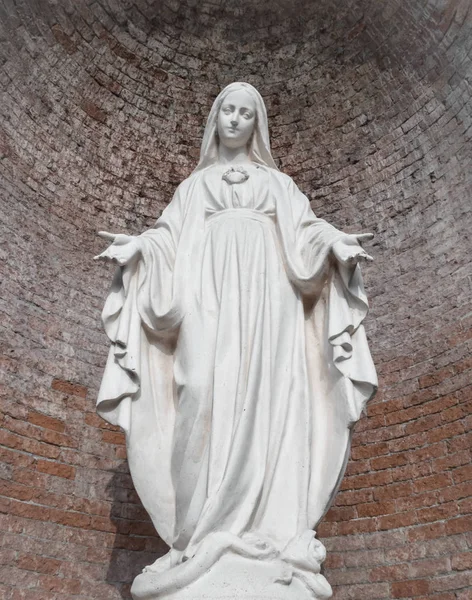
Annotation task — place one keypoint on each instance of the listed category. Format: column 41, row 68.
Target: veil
column 259, row 146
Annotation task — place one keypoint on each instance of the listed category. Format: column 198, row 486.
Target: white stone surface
column 238, row 365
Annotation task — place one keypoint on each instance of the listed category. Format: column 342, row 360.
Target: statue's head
column 237, row 118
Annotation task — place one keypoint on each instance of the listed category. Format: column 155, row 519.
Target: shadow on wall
column 136, row 542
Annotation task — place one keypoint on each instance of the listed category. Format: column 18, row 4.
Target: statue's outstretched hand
column 123, row 249
column 349, row 251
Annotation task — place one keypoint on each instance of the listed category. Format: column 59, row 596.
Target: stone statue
column 238, row 366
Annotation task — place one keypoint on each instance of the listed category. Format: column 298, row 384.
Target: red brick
column 326, row 529
column 29, row 511
column 369, row 450
column 436, row 377
column 113, row 437
column 72, row 519
column 429, row 567
column 137, row 528
column 348, row 497
column 397, row 520
column 25, row 444
column 462, row 561
column 411, row 472
column 39, row 564
column 462, row 474
column 462, row 490
column 459, row 525
column 120, row 452
column 410, row 589
column 45, row 421
column 453, row 581
column 14, row 457
column 423, row 424
column 417, row 501
column 387, row 462
column 93, row 111
column 341, row 513
column 27, row 594
column 460, row 442
column 445, row 596
column 389, row 573
column 334, row 561
column 373, row 509
column 372, row 422
column 429, row 452
column 465, row 506
column 394, row 490
column 103, row 524
column 385, row 407
column 434, row 482
column 446, row 432
column 374, row 479
column 127, row 542
column 427, row 532
column 356, row 526
column 409, row 442
column 13, row 490
column 65, row 40
column 94, row 420
column 69, row 388
column 31, row 478
column 437, row 513
column 56, row 469
column 360, row 558
column 60, row 585
column 451, row 461
column 59, row 439
column 379, row 591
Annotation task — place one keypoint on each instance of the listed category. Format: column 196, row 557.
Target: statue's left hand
column 124, row 248
column 348, row 249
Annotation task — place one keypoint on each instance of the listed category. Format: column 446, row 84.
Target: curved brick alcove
column 102, row 111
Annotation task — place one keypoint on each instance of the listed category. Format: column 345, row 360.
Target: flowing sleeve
column 140, row 302
column 141, row 315
column 344, row 295
column 341, row 371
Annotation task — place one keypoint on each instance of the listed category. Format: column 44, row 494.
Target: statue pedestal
column 237, row 577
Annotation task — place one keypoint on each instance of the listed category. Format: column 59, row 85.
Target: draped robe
column 238, row 362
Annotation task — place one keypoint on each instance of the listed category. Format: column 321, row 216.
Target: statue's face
column 236, row 119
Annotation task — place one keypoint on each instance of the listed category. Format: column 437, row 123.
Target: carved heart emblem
column 235, row 175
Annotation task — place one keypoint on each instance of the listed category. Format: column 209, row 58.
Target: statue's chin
column 234, row 577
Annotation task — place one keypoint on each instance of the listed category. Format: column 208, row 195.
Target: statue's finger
column 107, row 236
column 364, row 237
column 104, row 255
column 365, row 257
column 121, row 239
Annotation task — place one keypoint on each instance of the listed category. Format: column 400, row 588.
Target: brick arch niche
column 102, row 112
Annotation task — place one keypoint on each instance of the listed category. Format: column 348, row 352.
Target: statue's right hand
column 122, row 249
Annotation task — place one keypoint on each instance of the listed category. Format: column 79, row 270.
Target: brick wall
column 102, row 111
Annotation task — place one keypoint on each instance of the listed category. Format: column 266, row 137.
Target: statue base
column 236, row 577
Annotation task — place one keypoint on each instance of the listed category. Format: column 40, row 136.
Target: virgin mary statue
column 238, row 366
